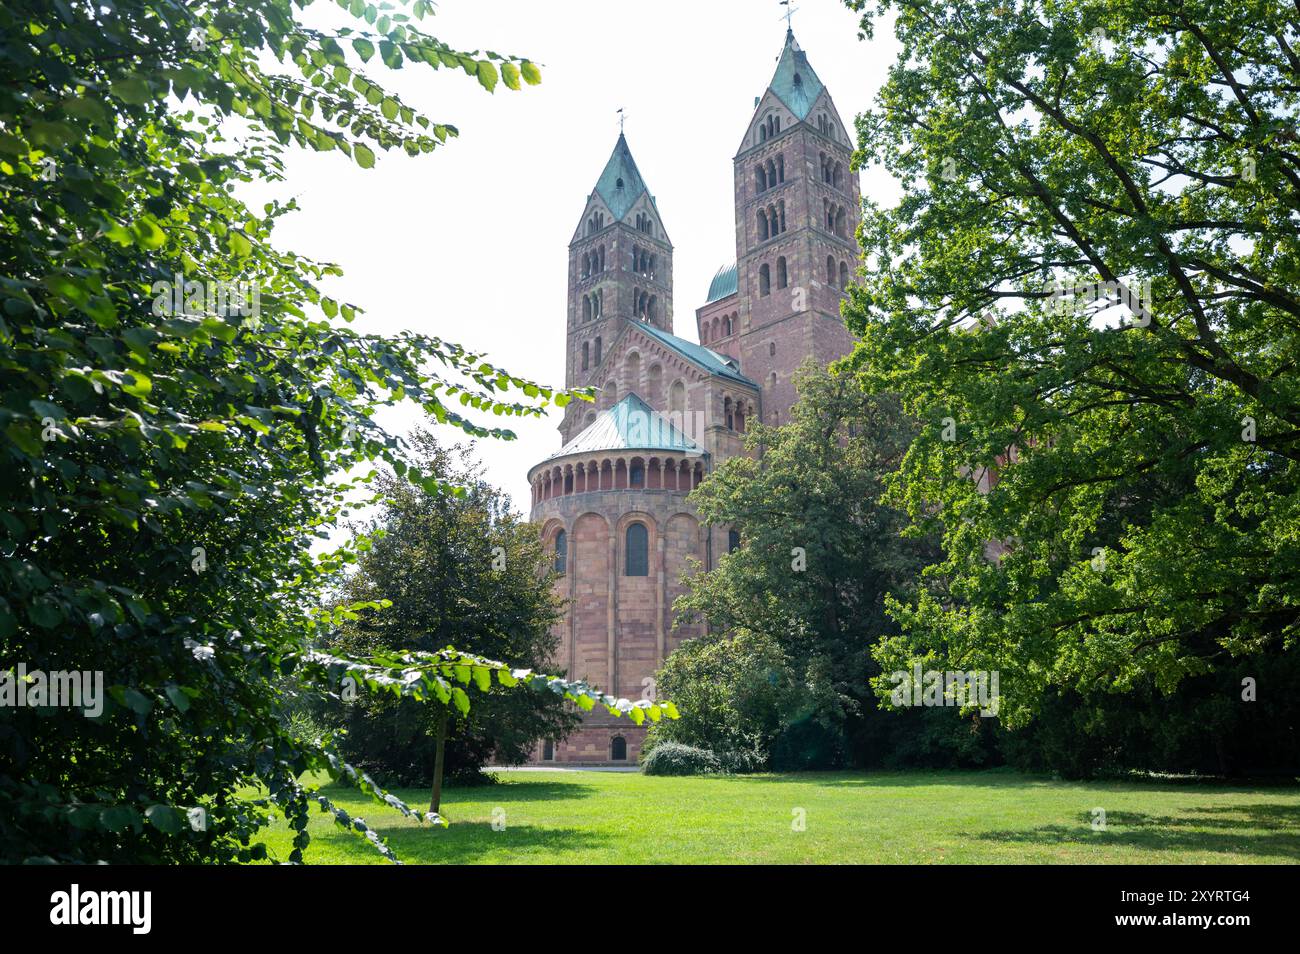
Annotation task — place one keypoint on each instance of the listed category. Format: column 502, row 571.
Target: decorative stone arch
column 636, row 472
column 625, row 521
column 655, row 383
column 632, row 370
column 677, row 398
column 551, row 531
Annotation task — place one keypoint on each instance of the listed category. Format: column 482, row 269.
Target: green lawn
column 894, row 817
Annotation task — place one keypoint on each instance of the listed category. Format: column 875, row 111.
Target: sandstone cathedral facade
column 611, row 503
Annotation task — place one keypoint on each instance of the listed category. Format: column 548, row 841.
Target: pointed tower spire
column 620, row 184
column 620, row 271
column 795, row 82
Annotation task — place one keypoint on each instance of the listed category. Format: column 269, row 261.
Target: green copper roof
column 711, row 361
column 723, row 284
column 631, row 424
column 620, row 184
column 794, row 82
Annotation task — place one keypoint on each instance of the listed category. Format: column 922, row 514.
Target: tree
column 1088, row 295
column 804, row 595
column 177, row 403
column 454, row 568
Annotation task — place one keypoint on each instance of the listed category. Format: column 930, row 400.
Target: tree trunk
column 438, row 755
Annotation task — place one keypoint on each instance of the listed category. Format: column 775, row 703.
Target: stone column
column 571, row 566
column 661, row 590
column 611, row 665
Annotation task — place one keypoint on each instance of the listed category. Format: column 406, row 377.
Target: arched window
column 632, row 370
column 771, row 349
column 782, row 278
column 780, row 168
column 726, row 410
column 727, row 326
column 762, row 225
column 733, row 541
column 548, row 751
column 830, row 270
column 586, row 308
column 781, row 210
column 598, row 349
column 586, row 354
column 764, row 280
column 839, row 222
column 636, row 474
column 618, row 749
column 844, row 275
column 760, row 178
column 636, row 561
column 561, row 552
column 677, row 398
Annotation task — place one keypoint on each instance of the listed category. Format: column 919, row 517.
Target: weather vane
column 621, row 117
column 790, row 9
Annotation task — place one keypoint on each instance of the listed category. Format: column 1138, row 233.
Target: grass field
column 905, row 817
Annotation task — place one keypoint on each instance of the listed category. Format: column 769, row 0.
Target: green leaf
column 131, row 89
column 460, row 700
column 147, row 233
column 137, row 384
column 487, row 75
column 166, row 819
column 178, row 697
column 365, row 158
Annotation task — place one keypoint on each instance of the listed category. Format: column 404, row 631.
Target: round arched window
column 637, row 559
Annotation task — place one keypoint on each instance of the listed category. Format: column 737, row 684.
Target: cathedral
column 611, row 503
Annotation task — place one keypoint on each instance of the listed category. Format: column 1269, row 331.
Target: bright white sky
column 470, row 242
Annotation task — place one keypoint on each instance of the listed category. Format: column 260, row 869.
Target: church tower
column 797, row 211
column 620, row 270
column 613, row 504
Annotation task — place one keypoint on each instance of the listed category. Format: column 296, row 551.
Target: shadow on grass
column 477, row 842
column 1279, row 838
column 1007, row 778
column 522, row 791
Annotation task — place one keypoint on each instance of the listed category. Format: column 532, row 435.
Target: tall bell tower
column 620, row 270
column 797, row 212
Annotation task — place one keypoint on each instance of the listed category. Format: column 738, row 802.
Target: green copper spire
column 620, row 184
column 794, row 82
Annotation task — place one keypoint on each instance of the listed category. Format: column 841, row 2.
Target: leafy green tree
column 1089, row 294
column 804, row 595
column 454, row 568
column 737, row 695
column 165, row 465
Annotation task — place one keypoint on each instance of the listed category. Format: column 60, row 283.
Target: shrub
column 673, row 758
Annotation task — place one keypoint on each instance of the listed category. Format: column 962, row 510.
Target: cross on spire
column 621, row 117
column 790, row 9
